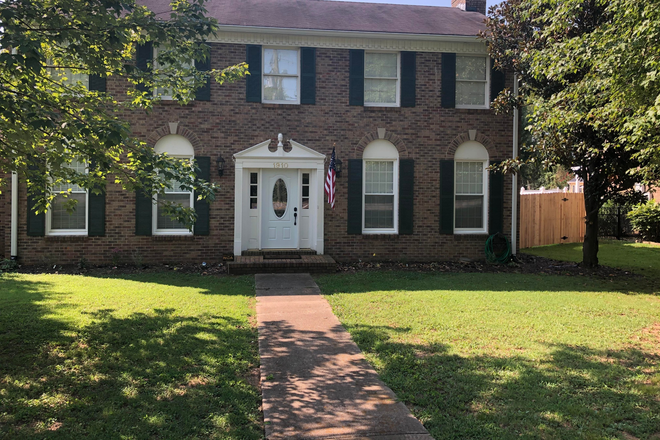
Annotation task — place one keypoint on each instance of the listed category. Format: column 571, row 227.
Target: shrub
column 645, row 218
column 8, row 265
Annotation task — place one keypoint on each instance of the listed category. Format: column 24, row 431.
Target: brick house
column 401, row 92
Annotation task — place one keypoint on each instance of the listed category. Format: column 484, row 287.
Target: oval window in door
column 279, row 198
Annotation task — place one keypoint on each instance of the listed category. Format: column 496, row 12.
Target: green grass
column 643, row 259
column 149, row 356
column 503, row 356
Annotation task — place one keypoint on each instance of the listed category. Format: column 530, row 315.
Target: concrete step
column 245, row 264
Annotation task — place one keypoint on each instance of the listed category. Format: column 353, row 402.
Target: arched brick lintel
column 389, row 136
column 465, row 137
column 181, row 130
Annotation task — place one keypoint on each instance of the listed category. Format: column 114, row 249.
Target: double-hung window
column 60, row 220
column 281, row 76
column 472, row 77
column 471, row 188
column 164, row 93
column 381, row 188
column 177, row 195
column 381, row 79
column 177, row 147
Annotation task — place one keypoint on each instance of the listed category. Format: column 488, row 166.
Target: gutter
column 514, row 177
column 14, row 216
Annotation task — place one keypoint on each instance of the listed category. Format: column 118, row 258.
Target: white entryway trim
column 259, row 157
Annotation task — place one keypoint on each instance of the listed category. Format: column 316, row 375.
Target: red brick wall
column 228, row 124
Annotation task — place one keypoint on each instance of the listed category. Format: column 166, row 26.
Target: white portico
column 279, row 198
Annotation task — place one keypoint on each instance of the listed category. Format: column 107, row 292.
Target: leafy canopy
column 588, row 73
column 47, row 120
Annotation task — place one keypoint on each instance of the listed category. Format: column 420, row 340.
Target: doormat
column 282, row 257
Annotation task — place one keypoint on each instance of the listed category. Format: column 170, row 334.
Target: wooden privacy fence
column 550, row 218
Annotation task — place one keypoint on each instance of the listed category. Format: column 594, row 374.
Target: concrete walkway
column 315, row 381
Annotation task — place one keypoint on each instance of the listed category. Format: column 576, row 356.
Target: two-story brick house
column 401, row 92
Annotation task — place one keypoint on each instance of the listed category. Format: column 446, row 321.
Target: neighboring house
column 402, row 92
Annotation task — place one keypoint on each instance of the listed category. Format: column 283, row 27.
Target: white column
column 320, row 182
column 238, row 207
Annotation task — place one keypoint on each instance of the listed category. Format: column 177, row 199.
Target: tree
column 48, row 121
column 559, row 52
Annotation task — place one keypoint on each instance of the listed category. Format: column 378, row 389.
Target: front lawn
column 149, row 356
column 641, row 258
column 499, row 356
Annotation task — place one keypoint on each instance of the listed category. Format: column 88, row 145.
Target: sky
column 422, row 2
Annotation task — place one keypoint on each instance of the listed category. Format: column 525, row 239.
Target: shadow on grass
column 145, row 375
column 574, row 392
column 362, row 282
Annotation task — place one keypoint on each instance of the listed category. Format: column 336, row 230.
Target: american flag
column 330, row 181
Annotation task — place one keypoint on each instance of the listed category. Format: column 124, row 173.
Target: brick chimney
column 470, row 5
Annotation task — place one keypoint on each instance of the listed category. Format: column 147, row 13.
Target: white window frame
column 60, row 232
column 155, row 91
column 484, row 228
column 398, row 80
column 287, row 75
column 154, row 214
column 486, row 104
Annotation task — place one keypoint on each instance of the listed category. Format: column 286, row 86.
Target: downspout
column 14, row 216
column 514, row 177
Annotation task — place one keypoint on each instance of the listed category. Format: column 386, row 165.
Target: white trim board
column 349, row 40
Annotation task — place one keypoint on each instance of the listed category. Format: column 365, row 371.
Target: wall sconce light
column 221, row 165
column 337, row 167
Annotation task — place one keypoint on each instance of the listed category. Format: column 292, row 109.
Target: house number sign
column 280, row 165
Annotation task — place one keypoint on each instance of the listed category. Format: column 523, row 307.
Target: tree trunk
column 590, row 245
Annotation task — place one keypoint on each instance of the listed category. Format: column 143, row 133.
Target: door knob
column 295, row 216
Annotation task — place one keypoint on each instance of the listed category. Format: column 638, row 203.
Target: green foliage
column 645, row 218
column 8, row 265
column 504, row 356
column 48, row 121
column 167, row 356
column 589, row 77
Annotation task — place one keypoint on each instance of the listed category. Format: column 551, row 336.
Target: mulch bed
column 524, row 263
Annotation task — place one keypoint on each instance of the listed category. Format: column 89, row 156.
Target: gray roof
column 339, row 16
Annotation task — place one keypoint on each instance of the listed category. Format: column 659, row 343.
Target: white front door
column 280, row 215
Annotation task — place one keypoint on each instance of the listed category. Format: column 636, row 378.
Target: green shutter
column 355, row 196
column 446, row 196
column 495, row 201
column 448, row 81
column 96, row 214
column 144, row 54
column 406, row 195
column 204, row 92
column 253, row 80
column 308, row 75
column 202, row 207
column 36, row 223
column 408, row 78
column 97, row 83
column 497, row 81
column 143, row 213
column 356, row 78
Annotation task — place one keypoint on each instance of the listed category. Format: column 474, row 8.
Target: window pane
column 380, row 65
column 469, row 212
column 253, row 178
column 470, row 93
column 473, row 68
column 379, row 177
column 379, row 212
column 77, row 166
column 278, row 88
column 165, row 222
column 68, row 77
column 469, row 177
column 381, row 91
column 280, row 198
column 281, row 61
column 62, row 219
